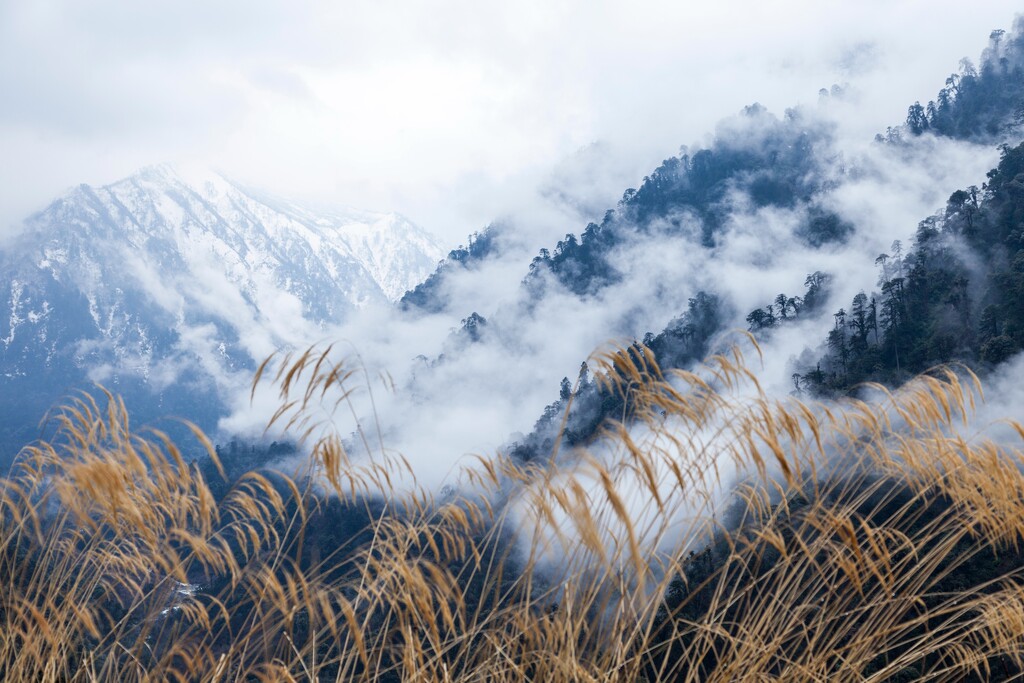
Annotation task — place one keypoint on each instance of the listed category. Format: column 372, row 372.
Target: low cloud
column 453, row 401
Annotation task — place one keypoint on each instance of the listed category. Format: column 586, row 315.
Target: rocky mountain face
column 169, row 289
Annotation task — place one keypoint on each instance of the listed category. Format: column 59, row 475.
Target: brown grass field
column 725, row 536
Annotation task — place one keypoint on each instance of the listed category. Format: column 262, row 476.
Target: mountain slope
column 768, row 201
column 952, row 295
column 159, row 282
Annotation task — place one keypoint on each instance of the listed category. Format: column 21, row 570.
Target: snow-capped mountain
column 164, row 280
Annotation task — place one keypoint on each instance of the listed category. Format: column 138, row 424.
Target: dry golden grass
column 724, row 535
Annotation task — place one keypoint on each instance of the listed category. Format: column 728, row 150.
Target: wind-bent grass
column 722, row 535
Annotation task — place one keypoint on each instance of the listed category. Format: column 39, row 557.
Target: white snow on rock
column 166, row 268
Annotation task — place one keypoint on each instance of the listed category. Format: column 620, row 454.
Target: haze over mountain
column 791, row 205
column 170, row 288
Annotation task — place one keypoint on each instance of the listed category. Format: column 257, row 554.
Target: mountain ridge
column 159, row 275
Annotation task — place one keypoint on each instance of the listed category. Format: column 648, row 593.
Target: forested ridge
column 952, row 294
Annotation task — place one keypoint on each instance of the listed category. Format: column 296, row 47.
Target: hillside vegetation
column 725, row 536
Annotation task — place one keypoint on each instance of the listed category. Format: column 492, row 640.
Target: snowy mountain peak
column 171, row 276
column 365, row 254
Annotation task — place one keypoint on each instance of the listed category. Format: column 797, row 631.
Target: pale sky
column 450, row 112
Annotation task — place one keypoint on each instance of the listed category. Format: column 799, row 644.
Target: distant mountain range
column 170, row 287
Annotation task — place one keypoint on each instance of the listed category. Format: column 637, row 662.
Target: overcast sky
column 450, row 112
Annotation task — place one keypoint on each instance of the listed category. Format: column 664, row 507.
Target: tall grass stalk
column 722, row 535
